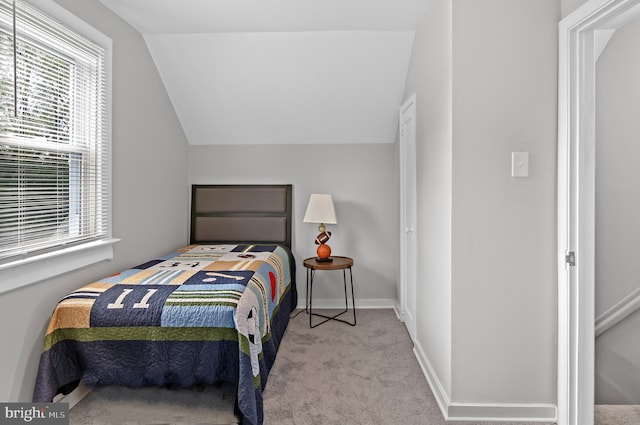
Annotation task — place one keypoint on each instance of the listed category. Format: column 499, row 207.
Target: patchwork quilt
column 203, row 314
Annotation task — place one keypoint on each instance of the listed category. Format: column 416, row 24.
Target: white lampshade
column 320, row 209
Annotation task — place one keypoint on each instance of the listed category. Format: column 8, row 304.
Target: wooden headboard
column 241, row 213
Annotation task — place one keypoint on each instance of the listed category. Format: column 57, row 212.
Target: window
column 54, row 136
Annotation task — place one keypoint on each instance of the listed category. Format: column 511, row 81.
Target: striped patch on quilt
column 158, row 277
column 202, row 305
column 218, row 297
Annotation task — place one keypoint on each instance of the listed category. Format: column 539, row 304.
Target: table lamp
column 321, row 210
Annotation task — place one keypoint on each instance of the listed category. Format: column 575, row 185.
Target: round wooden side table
column 336, row 263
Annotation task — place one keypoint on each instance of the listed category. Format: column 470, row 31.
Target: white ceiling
column 280, row 71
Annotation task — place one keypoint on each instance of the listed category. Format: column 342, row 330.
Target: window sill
column 35, row 269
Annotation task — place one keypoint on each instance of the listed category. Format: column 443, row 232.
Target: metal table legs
column 309, row 307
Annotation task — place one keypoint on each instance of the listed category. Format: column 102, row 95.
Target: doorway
column 583, row 36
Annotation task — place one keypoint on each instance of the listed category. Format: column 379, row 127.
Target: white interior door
column 408, row 245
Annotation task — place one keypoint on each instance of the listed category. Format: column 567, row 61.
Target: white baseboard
column 502, row 412
column 396, row 309
column 75, row 396
column 439, row 393
column 457, row 411
column 336, row 303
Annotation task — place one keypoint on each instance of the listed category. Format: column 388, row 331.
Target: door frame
column 583, row 36
column 407, row 172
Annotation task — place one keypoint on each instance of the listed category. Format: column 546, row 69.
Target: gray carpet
column 332, row 374
column 617, row 415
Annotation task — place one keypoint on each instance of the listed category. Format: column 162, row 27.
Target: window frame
column 38, row 267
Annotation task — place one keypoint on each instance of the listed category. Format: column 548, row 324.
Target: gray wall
column 430, row 78
column 150, row 197
column 568, row 6
column 364, row 183
column 498, row 318
column 504, row 233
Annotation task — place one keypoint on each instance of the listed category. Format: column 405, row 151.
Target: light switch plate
column 519, row 164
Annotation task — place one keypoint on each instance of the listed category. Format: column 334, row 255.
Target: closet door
column 408, row 245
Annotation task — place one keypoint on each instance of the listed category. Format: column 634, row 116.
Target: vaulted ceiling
column 280, row 71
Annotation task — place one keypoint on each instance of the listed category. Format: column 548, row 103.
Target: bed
column 210, row 312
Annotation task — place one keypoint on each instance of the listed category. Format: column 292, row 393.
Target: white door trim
column 583, row 36
column 408, row 199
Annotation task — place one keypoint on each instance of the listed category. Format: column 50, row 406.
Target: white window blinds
column 54, row 157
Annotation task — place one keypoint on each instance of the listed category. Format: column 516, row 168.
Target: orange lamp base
column 324, row 252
